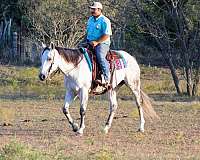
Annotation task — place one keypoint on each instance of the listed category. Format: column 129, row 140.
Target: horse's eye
column 49, row 59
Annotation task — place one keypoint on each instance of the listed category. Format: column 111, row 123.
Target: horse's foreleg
column 113, row 108
column 68, row 100
column 83, row 105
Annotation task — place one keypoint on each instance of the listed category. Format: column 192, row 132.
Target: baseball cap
column 96, row 5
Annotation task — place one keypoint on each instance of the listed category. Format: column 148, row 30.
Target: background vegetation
column 164, row 37
column 32, row 125
column 157, row 32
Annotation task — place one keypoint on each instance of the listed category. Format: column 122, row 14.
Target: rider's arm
column 107, row 32
column 100, row 40
column 103, row 38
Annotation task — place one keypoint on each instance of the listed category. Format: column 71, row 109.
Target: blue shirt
column 97, row 27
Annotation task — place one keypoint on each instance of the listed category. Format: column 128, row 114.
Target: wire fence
column 20, row 50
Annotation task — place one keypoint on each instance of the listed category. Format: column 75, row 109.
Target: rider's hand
column 94, row 43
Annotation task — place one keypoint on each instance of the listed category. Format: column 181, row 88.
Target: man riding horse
column 74, row 65
column 98, row 35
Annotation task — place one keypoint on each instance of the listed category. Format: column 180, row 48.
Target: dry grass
column 39, row 130
column 43, row 124
column 23, row 82
column 7, row 115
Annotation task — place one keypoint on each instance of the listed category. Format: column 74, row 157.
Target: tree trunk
column 174, row 75
column 196, row 82
column 168, row 59
column 188, row 73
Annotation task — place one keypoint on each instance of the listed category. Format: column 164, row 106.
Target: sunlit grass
column 15, row 151
column 24, row 81
column 7, row 115
column 104, row 155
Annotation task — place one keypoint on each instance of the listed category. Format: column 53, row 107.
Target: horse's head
column 49, row 62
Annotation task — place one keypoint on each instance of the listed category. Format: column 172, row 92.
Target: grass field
column 32, row 125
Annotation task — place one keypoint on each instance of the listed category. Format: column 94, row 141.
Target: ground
column 33, row 126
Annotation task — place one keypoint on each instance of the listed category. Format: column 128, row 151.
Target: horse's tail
column 149, row 112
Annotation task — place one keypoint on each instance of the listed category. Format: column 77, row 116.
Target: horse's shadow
column 165, row 97
column 172, row 97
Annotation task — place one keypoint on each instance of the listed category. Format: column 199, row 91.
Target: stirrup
column 98, row 81
column 107, row 85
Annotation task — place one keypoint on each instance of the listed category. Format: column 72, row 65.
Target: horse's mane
column 70, row 55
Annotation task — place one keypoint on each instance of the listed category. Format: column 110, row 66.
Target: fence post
column 14, row 45
column 34, row 52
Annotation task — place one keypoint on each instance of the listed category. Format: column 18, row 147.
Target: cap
column 96, row 5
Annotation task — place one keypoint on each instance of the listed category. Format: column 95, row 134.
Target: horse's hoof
column 75, row 127
column 79, row 133
column 106, row 130
column 140, row 130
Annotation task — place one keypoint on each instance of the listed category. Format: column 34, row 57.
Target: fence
column 15, row 47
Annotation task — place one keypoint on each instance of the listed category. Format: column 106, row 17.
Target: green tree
column 61, row 21
column 174, row 27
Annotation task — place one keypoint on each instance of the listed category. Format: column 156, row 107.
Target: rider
column 98, row 34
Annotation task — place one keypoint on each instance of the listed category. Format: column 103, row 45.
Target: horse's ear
column 52, row 45
column 44, row 45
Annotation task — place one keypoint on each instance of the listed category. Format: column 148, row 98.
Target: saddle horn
column 52, row 45
column 44, row 45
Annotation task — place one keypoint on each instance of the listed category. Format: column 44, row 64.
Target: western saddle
column 97, row 88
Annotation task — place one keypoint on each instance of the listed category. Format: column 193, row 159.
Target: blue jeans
column 101, row 52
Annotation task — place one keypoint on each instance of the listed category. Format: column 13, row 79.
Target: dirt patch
column 42, row 125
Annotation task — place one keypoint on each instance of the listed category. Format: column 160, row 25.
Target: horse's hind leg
column 135, row 88
column 69, row 97
column 113, row 108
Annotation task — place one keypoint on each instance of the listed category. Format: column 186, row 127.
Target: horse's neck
column 67, row 68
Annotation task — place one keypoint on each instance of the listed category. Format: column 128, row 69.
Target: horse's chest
column 71, row 83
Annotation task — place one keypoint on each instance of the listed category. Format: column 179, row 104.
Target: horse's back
column 132, row 70
column 130, row 60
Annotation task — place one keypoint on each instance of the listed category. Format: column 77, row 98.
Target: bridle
column 51, row 63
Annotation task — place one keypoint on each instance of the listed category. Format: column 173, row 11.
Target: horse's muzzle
column 42, row 77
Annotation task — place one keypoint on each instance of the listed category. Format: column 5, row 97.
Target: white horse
column 78, row 79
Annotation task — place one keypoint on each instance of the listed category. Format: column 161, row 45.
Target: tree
column 174, row 26
column 62, row 21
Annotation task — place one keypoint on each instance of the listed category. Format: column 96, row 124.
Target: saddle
column 97, row 88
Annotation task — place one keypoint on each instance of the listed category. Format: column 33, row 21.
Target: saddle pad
column 117, row 59
column 119, row 64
